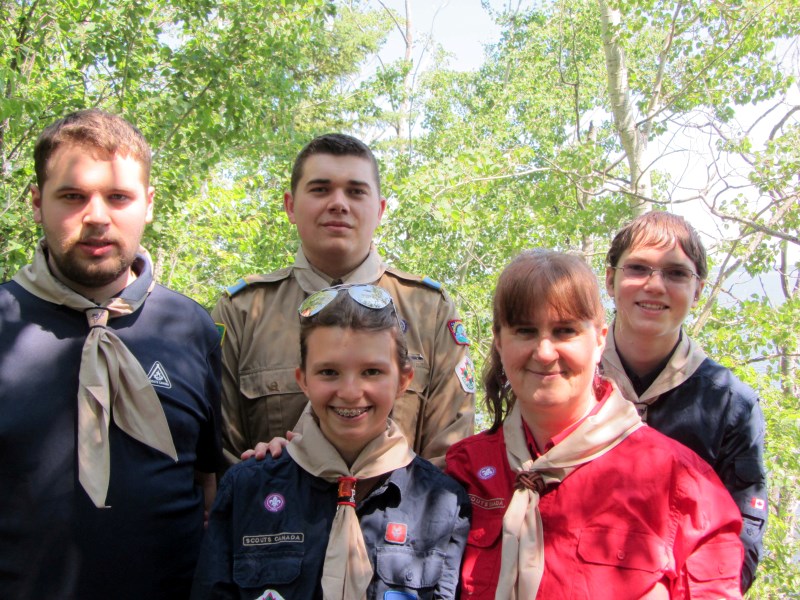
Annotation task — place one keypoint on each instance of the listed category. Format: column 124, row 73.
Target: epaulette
column 424, row 280
column 244, row 282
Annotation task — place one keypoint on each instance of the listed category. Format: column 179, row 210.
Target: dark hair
column 92, row 128
column 659, row 229
column 534, row 280
column 345, row 312
column 337, row 144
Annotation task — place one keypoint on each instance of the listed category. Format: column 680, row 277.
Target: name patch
column 273, row 538
column 487, row 503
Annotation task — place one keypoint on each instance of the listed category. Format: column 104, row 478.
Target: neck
column 545, row 425
column 335, row 267
column 641, row 354
column 99, row 294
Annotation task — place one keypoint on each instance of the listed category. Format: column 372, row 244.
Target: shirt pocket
column 482, row 554
column 257, row 568
column 401, row 567
column 622, row 562
column 714, row 570
column 273, row 402
column 748, row 470
column 268, row 382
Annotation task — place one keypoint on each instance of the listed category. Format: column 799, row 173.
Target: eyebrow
column 353, row 182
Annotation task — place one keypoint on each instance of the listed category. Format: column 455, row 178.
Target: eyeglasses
column 370, row 296
column 673, row 275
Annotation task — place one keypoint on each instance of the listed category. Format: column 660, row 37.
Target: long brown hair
column 533, row 280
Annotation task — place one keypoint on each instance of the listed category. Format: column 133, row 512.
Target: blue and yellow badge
column 465, row 371
column 458, row 332
column 221, row 329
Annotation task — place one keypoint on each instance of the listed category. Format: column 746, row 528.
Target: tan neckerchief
column 686, row 359
column 311, row 280
column 522, row 563
column 347, row 572
column 112, row 383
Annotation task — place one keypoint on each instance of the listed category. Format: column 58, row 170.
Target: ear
column 610, row 274
column 405, row 381
column 36, row 203
column 151, row 193
column 602, row 333
column 288, row 206
column 300, row 377
column 697, row 292
column 382, row 209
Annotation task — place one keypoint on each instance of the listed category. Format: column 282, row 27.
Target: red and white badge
column 758, row 503
column 396, row 533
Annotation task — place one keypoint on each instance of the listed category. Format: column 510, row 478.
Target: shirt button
column 273, row 386
column 621, row 554
column 409, row 576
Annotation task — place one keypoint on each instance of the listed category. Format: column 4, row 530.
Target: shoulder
column 420, row 283
column 253, row 472
column 251, row 281
column 717, row 377
column 660, row 448
column 482, row 447
column 426, row 479
column 191, row 313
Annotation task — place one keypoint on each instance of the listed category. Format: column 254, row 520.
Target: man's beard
column 89, row 275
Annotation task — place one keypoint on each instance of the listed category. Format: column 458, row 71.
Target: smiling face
column 652, row 309
column 336, row 207
column 93, row 209
column 550, row 363
column 352, row 378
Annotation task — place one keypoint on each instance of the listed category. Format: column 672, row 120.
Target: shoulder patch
column 236, row 287
column 465, row 372
column 431, row 283
column 458, row 332
column 221, row 330
column 244, row 282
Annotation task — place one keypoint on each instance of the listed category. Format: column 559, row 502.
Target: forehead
column 661, row 254
column 77, row 163
column 330, row 167
column 326, row 344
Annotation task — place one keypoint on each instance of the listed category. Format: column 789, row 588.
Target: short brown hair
column 659, row 229
column 336, row 144
column 346, row 313
column 533, row 280
column 92, row 128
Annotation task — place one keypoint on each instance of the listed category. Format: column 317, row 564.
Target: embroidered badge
column 270, row 595
column 487, row 503
column 221, row 329
column 273, row 538
column 465, row 371
column 486, row 472
column 404, row 325
column 158, row 376
column 396, row 533
column 274, row 503
column 458, row 332
column 758, row 503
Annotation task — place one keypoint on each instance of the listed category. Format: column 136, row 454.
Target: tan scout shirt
column 261, row 349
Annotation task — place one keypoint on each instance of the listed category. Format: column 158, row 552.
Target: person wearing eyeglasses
column 335, row 201
column 655, row 275
column 347, row 511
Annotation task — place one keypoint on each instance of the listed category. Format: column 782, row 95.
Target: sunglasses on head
column 369, row 296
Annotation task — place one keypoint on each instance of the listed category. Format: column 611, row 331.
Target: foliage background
column 583, row 114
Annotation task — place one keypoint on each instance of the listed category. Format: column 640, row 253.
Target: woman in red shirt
column 572, row 495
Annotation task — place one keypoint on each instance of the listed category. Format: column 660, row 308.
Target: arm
column 743, row 474
column 449, row 410
column 447, row 587
column 234, row 440
column 214, row 574
column 208, row 486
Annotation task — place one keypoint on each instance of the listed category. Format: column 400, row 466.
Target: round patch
column 487, row 473
column 274, row 503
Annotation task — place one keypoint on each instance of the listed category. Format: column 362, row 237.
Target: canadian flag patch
column 396, row 533
column 758, row 503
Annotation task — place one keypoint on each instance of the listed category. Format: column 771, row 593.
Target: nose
column 349, row 389
column 338, row 201
column 545, row 351
column 656, row 283
column 96, row 212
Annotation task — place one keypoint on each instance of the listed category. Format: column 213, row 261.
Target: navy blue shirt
column 269, row 530
column 54, row 543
